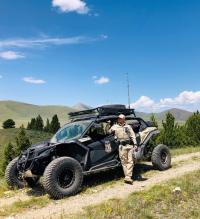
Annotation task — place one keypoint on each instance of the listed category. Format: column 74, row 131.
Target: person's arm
column 132, row 136
column 112, row 130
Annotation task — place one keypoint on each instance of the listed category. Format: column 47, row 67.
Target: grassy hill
column 180, row 115
column 9, row 135
column 21, row 113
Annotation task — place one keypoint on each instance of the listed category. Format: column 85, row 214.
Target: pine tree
column 55, row 124
column 32, row 125
column 8, row 124
column 28, row 126
column 39, row 124
column 47, row 127
column 9, row 154
column 168, row 135
column 193, row 128
column 22, row 141
column 153, row 120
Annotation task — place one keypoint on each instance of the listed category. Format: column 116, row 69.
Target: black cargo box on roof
column 106, row 110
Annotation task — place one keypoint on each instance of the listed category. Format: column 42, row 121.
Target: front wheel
column 161, row 157
column 12, row 175
column 63, row 177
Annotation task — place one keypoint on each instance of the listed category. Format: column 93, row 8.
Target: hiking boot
column 128, row 180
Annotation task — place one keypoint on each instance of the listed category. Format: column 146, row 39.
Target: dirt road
column 76, row 203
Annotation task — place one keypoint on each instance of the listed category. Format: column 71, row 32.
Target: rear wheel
column 12, row 175
column 161, row 157
column 63, row 177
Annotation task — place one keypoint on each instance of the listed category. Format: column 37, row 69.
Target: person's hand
column 135, row 148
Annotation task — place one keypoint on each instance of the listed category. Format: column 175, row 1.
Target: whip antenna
column 128, row 89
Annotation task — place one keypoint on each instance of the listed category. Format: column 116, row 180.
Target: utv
column 83, row 146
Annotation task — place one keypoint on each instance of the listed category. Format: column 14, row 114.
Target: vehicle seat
column 143, row 134
column 135, row 126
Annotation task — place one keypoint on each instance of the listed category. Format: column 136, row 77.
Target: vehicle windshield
column 70, row 131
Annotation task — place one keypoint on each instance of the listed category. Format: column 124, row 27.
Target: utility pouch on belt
column 125, row 142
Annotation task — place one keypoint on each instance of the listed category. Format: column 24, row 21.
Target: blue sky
column 60, row 52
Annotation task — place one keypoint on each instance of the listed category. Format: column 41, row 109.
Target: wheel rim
column 66, row 178
column 164, row 157
column 19, row 176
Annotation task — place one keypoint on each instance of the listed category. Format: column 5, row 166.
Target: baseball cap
column 121, row 116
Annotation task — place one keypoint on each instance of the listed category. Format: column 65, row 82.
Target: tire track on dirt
column 76, row 203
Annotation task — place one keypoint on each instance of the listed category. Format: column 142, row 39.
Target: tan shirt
column 123, row 132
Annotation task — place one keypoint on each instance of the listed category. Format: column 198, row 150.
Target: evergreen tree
column 55, row 124
column 39, row 124
column 48, row 126
column 32, row 125
column 8, row 124
column 153, row 120
column 169, row 132
column 9, row 154
column 28, row 126
column 22, row 141
column 193, row 128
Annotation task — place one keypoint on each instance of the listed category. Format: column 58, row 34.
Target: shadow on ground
column 102, row 178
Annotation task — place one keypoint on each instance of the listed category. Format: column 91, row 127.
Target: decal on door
column 108, row 147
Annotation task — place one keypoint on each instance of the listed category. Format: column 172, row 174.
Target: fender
column 139, row 155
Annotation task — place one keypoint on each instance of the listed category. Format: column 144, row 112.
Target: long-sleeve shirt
column 123, row 132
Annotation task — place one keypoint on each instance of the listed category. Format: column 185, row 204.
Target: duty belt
column 124, row 142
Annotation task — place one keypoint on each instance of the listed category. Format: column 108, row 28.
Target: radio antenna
column 128, row 89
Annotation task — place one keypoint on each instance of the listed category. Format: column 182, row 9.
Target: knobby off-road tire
column 161, row 157
column 63, row 177
column 12, row 175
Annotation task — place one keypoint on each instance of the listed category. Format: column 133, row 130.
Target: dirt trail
column 76, row 203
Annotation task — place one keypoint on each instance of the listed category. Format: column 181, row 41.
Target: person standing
column 125, row 135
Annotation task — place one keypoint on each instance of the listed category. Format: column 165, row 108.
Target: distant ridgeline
column 22, row 113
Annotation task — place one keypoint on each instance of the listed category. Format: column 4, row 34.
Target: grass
column 20, row 206
column 158, row 202
column 185, row 150
column 92, row 183
column 22, row 113
column 9, row 135
column 3, row 187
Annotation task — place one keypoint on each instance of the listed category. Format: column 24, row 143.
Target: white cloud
column 143, row 102
column 11, row 55
column 78, row 6
column 47, row 41
column 101, row 80
column 189, row 100
column 31, row 80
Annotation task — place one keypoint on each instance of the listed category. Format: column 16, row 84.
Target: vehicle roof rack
column 106, row 110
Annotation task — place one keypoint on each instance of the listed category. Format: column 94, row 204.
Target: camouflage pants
column 127, row 160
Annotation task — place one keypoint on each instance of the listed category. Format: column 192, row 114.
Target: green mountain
column 179, row 114
column 21, row 113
